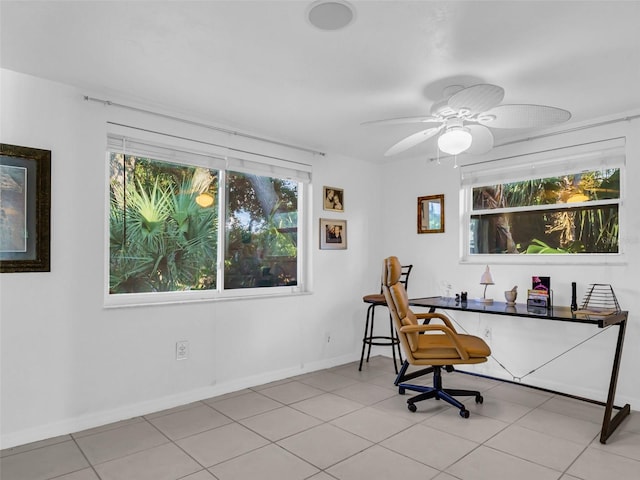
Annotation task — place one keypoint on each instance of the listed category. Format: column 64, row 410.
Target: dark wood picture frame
column 25, row 209
column 431, row 214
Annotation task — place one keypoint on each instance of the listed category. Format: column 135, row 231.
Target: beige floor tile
column 327, row 406
column 183, row 423
column 371, row 424
column 324, row 445
column 121, row 441
column 84, row 474
column 110, row 426
column 223, row 443
column 327, row 381
column 243, row 406
column 476, row 428
column 397, row 406
column 596, row 464
column 529, row 397
column 267, row 463
column 488, row 464
column 280, row 423
column 552, row 452
column 43, row 463
column 377, row 463
column 497, row 408
column 34, row 445
column 631, row 423
column 439, row 451
column 365, row 393
column 575, row 408
column 201, row 475
column 166, row 462
column 551, row 423
column 622, row 443
column 291, row 392
column 169, row 411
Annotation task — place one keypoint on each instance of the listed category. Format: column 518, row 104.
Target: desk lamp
column 485, row 280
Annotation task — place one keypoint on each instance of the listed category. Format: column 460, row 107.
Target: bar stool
column 377, row 300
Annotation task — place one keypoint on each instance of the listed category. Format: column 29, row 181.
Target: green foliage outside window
column 574, row 213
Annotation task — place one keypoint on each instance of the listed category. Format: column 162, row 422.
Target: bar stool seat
column 377, row 300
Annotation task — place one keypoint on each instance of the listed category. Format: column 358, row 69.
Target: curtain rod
column 109, row 103
column 551, row 134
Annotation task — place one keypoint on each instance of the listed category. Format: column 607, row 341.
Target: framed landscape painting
column 25, row 206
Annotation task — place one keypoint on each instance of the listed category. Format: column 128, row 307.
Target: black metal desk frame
column 561, row 314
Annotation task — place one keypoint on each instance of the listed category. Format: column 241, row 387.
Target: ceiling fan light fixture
column 455, row 140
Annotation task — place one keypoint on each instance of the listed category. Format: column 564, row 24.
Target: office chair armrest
column 464, row 355
column 441, row 316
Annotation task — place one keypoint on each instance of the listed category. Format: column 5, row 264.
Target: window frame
column 217, row 158
column 605, row 154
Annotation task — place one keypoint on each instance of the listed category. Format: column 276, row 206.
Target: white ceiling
column 260, row 67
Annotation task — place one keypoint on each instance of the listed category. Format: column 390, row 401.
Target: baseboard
column 97, row 419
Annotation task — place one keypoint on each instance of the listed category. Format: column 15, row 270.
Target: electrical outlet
column 182, row 350
column 328, row 336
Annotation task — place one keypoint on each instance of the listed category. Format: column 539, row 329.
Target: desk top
column 560, row 313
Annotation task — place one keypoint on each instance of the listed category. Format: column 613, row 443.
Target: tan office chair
column 435, row 346
column 377, row 300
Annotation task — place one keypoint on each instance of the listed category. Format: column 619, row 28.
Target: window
column 186, row 225
column 535, row 206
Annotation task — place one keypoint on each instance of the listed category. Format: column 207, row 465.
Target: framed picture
column 333, row 199
column 25, row 207
column 431, row 214
column 333, row 234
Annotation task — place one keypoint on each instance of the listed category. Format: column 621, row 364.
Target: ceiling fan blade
column 523, row 116
column 482, row 139
column 403, row 120
column 412, row 141
column 477, row 98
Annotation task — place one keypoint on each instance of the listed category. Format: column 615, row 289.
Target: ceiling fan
column 462, row 119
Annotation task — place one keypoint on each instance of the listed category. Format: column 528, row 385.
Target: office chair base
column 436, row 392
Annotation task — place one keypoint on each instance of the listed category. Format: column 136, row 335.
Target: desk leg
column 610, row 424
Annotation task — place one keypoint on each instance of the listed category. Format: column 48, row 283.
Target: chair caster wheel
column 412, row 407
column 479, row 399
column 401, row 391
column 464, row 413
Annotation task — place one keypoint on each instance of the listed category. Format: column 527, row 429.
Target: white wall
column 522, row 344
column 67, row 363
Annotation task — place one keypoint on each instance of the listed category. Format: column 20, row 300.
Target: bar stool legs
column 379, row 340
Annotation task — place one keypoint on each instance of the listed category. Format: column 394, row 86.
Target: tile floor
column 348, row 425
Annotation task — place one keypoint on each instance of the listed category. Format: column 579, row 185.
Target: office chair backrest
column 398, row 302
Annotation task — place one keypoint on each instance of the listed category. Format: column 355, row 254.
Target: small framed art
column 431, row 214
column 25, row 207
column 333, row 199
column 333, row 234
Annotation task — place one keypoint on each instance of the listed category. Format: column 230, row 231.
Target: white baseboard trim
column 97, row 419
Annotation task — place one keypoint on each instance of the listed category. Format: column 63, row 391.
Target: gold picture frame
column 431, row 214
column 333, row 234
column 333, row 199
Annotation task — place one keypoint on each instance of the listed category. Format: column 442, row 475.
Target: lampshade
column 455, row 140
column 486, row 278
